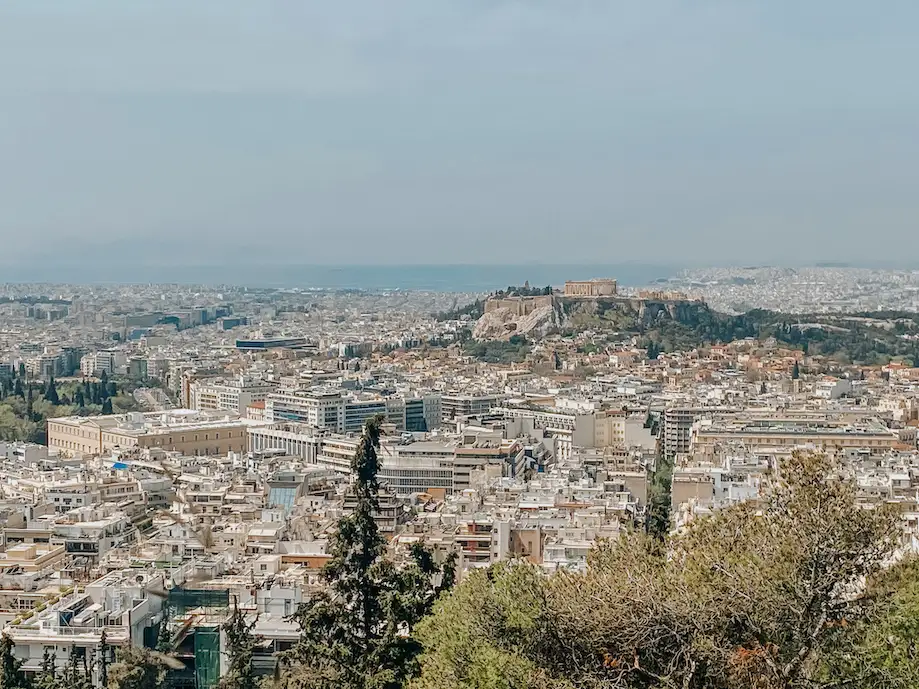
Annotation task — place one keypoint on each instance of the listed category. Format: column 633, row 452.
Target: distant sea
column 439, row 278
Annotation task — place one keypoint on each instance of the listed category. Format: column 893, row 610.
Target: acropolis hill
column 578, row 303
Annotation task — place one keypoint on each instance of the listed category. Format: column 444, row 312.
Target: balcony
column 43, row 632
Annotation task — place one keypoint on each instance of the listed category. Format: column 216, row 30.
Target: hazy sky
column 462, row 131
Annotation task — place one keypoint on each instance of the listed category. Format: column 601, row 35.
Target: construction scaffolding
column 182, row 600
column 194, row 620
column 207, row 657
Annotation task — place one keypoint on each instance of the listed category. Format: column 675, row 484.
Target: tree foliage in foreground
column 11, row 677
column 358, row 632
column 883, row 650
column 765, row 595
column 136, row 668
column 240, row 649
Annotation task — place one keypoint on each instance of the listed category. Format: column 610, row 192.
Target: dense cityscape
column 455, row 344
column 178, row 460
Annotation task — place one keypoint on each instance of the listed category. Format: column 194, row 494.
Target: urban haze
column 431, row 131
column 458, row 345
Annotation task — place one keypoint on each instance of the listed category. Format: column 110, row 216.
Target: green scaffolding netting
column 181, row 599
column 207, row 657
column 206, row 671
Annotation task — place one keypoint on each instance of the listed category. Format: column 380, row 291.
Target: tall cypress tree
column 103, row 659
column 11, row 677
column 51, row 394
column 47, row 678
column 73, row 674
column 340, row 628
column 356, row 633
column 241, row 643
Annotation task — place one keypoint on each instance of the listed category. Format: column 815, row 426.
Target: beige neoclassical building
column 180, row 430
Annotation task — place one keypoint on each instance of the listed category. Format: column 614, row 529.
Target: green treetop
column 51, row 394
column 761, row 594
column 357, row 632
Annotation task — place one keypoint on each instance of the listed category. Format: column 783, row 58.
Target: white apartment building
column 231, row 395
column 93, row 532
column 415, row 467
column 66, row 495
column 157, row 367
column 295, row 440
column 116, row 606
column 335, row 410
column 24, row 453
column 832, row 388
column 319, row 408
column 45, row 365
column 572, row 428
column 107, row 361
column 455, row 404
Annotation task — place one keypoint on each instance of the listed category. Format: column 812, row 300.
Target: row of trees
column 87, row 393
column 124, row 668
column 26, row 404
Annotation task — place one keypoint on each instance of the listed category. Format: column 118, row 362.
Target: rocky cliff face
column 502, row 321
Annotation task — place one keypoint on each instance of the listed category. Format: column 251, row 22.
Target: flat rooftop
column 809, row 426
column 138, row 424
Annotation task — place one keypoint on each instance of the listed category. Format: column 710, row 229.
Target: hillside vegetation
column 762, row 596
column 873, row 338
column 476, row 309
